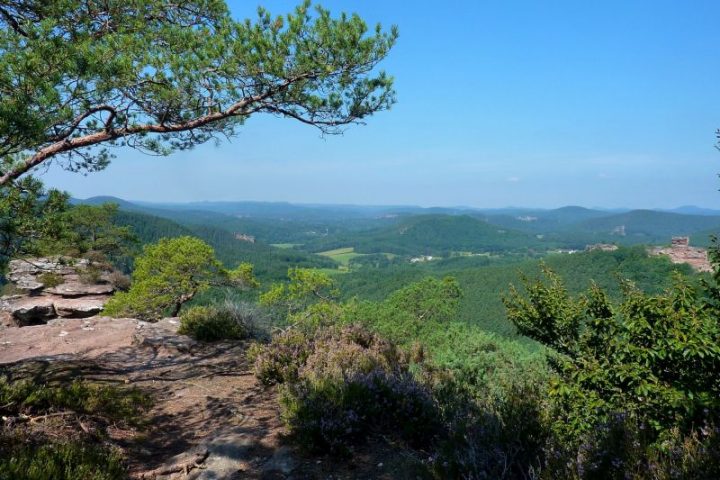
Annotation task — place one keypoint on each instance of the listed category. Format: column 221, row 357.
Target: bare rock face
column 66, row 295
column 77, row 289
column 32, row 310
column 78, row 307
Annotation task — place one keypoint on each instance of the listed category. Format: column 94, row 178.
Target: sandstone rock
column 38, row 266
column 228, row 452
column 70, row 298
column 6, row 319
column 72, row 289
column 78, row 307
column 31, row 310
column 162, row 340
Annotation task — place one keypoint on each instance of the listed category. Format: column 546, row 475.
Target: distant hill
column 646, row 226
column 270, row 263
column 693, row 210
column 325, row 227
column 431, row 235
column 285, row 223
column 543, row 221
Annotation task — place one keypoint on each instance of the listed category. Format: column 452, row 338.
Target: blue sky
column 525, row 103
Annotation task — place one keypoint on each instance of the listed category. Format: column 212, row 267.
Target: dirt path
column 205, row 396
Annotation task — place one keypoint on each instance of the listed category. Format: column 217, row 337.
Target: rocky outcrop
column 49, row 288
column 680, row 251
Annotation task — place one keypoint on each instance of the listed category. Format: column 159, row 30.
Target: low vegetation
column 602, row 397
column 224, row 321
column 39, row 439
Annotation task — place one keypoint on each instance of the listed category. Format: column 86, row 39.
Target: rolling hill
column 431, row 235
column 646, row 226
column 270, row 263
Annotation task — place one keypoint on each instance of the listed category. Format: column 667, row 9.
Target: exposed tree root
column 185, row 467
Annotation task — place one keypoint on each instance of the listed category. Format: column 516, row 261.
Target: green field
column 286, row 245
column 341, row 255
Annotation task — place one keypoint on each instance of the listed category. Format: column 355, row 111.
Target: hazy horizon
column 141, row 202
column 610, row 105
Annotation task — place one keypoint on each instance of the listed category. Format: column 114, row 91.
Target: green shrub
column 50, row 279
column 80, row 396
column 52, row 460
column 9, row 289
column 90, row 275
column 227, row 321
column 120, row 281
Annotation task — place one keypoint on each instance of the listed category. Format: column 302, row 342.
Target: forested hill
column 650, row 226
column 270, row 263
column 431, row 235
column 484, row 286
column 575, row 227
column 414, row 231
column 541, row 221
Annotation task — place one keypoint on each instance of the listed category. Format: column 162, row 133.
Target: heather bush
column 340, row 384
column 623, row 448
column 486, row 437
column 91, row 274
column 280, row 361
column 119, row 280
column 332, row 414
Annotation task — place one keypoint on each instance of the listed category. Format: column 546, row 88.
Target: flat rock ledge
column 94, row 337
column 50, row 288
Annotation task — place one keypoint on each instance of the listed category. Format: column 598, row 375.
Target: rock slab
column 66, row 297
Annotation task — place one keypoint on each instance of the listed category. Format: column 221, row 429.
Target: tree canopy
column 30, row 216
column 77, row 76
column 653, row 358
column 170, row 273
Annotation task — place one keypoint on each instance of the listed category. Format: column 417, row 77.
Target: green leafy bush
column 226, row 321
column 654, row 358
column 634, row 392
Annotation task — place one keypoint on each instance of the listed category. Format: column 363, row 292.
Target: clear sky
column 524, row 103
